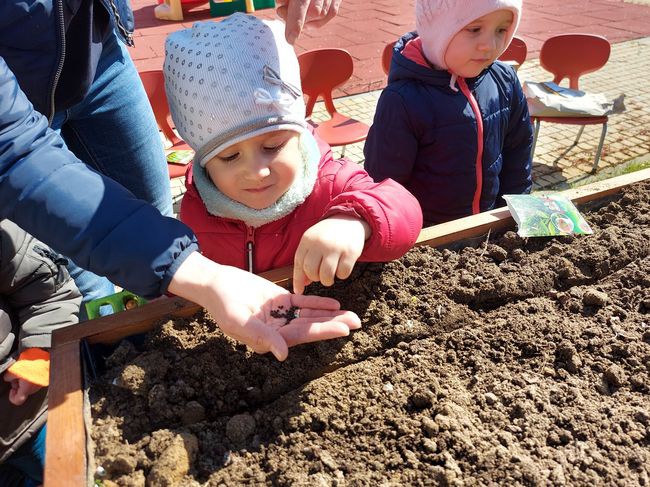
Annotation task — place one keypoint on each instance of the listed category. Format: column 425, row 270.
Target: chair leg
column 568, row 149
column 343, row 151
column 575, row 142
column 535, row 135
column 600, row 148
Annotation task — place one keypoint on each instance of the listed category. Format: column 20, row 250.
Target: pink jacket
column 342, row 187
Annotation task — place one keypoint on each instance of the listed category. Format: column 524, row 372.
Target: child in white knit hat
column 452, row 125
column 262, row 192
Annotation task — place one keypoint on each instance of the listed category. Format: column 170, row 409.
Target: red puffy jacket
column 342, row 187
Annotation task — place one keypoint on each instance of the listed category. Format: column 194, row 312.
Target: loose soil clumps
column 516, row 362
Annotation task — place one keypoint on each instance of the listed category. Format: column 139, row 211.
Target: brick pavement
column 364, row 28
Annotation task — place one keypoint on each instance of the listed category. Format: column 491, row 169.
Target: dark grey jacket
column 36, row 296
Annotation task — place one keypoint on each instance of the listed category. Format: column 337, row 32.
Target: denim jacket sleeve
column 83, row 215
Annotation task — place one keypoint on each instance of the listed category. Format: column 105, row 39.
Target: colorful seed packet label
column 546, row 215
column 183, row 156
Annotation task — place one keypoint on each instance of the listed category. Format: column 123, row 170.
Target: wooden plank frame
column 65, row 461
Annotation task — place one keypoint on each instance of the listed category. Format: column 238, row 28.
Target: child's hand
column 21, row 389
column 329, row 249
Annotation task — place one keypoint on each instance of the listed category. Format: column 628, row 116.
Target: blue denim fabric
column 113, row 130
column 25, row 467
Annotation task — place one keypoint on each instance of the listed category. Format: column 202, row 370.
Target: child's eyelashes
column 271, row 148
column 275, row 147
column 229, row 158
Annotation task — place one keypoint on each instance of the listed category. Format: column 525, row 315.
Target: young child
column 263, row 193
column 452, row 125
column 36, row 296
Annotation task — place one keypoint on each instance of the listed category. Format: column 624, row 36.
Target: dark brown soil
column 513, row 363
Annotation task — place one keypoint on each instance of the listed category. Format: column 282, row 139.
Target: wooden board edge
column 114, row 327
column 500, row 218
column 65, row 443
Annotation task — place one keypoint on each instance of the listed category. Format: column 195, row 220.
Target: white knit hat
column 231, row 80
column 438, row 21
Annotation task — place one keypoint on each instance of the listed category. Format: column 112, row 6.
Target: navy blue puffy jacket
column 424, row 136
column 47, row 191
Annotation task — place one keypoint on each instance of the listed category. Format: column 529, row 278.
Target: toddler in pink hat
column 453, row 125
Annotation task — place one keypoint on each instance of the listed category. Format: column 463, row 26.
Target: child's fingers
column 328, row 268
column 311, row 263
column 346, row 264
column 299, row 279
column 17, row 395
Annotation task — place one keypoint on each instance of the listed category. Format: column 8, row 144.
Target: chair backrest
column 322, row 70
column 387, row 56
column 516, row 51
column 572, row 55
column 154, row 85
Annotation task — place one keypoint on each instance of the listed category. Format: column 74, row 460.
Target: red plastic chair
column 321, row 71
column 570, row 56
column 516, row 51
column 387, row 56
column 154, row 85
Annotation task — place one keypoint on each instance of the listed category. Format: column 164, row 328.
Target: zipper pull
column 250, row 245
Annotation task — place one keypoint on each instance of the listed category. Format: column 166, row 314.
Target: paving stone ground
column 365, row 27
column 628, row 135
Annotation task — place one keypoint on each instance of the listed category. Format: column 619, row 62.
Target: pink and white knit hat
column 438, row 21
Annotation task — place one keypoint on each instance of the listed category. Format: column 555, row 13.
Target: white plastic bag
column 548, row 99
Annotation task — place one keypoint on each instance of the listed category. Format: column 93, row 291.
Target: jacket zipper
column 476, row 201
column 59, row 68
column 250, row 246
column 128, row 36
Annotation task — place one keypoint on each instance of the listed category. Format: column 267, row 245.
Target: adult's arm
column 104, row 228
column 83, row 215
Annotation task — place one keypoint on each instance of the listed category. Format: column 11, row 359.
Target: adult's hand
column 298, row 13
column 257, row 312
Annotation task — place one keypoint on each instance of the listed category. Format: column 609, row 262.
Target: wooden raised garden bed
column 66, row 446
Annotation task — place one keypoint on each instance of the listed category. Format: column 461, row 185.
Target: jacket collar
column 409, row 62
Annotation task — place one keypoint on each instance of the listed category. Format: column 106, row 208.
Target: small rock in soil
column 175, row 461
column 240, row 428
column 593, row 297
column 614, row 376
column 422, row 398
column 194, row 413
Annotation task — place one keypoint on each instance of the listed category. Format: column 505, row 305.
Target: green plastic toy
column 113, row 303
column 226, row 7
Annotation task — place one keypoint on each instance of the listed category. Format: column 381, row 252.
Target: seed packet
column 546, row 215
column 183, row 156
